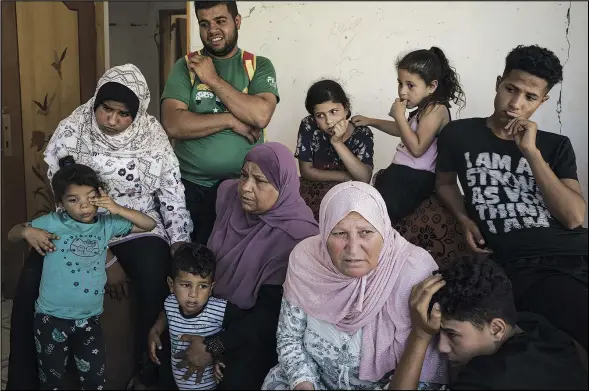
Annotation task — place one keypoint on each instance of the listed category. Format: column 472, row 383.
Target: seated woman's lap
column 146, row 261
column 246, row 369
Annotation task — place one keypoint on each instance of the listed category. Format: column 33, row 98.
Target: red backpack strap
column 187, row 58
column 249, row 64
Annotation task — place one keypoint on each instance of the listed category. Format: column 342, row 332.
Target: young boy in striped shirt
column 189, row 310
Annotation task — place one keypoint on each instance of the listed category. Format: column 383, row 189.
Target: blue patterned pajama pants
column 56, row 338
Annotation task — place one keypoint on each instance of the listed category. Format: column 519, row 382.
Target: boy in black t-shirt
column 522, row 198
column 489, row 345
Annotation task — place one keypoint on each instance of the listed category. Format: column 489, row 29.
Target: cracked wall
column 566, row 60
column 357, row 43
column 574, row 116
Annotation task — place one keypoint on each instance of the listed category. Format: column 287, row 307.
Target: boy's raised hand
column 424, row 324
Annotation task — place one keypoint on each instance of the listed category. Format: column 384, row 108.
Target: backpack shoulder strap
column 249, row 63
column 192, row 75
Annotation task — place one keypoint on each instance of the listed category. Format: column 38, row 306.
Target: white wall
column 133, row 31
column 357, row 43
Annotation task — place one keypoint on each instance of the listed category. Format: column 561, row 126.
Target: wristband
column 111, row 262
column 214, row 346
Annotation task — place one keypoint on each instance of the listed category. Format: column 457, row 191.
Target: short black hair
column 205, row 5
column 477, row 290
column 326, row 91
column 72, row 173
column 537, row 61
column 193, row 258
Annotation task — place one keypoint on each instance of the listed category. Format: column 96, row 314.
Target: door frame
column 86, row 47
column 13, row 190
column 164, row 31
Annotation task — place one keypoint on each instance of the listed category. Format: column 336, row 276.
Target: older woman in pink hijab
column 345, row 317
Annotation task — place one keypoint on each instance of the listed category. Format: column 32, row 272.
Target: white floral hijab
column 78, row 135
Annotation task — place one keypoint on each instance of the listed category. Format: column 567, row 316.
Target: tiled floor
column 6, row 310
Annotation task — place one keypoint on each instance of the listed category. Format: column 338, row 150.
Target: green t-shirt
column 207, row 160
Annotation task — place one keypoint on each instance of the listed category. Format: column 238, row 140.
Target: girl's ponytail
column 433, row 65
column 449, row 83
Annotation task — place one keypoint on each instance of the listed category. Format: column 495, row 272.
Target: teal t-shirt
column 207, row 160
column 74, row 275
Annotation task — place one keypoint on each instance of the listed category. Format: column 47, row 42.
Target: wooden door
column 54, row 53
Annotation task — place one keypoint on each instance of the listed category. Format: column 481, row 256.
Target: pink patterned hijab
column 377, row 303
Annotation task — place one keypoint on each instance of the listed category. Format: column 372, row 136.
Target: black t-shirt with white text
column 500, row 191
column 541, row 357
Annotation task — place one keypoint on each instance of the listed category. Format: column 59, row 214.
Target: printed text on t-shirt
column 505, row 199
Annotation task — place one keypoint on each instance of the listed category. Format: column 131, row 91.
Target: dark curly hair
column 72, row 173
column 205, row 5
column 537, row 61
column 195, row 259
column 327, row 90
column 433, row 65
column 477, row 290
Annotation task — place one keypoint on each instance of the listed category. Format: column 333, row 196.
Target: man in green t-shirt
column 217, row 117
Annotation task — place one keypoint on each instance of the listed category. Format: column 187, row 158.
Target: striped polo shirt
column 208, row 322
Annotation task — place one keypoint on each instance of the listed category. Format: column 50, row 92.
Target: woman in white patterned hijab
column 128, row 148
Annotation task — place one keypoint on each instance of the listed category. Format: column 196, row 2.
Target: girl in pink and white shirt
column 427, row 83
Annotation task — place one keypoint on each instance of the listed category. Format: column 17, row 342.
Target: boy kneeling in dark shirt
column 469, row 302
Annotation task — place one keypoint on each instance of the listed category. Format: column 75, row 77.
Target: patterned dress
column 138, row 166
column 315, row 351
column 313, row 146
